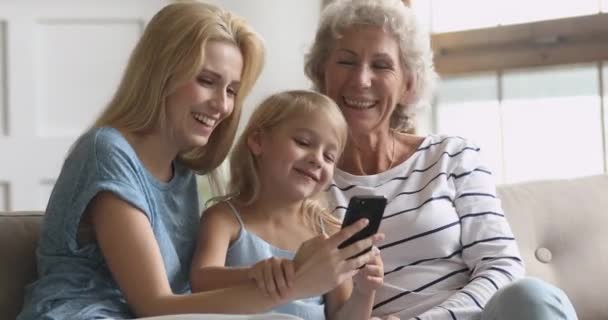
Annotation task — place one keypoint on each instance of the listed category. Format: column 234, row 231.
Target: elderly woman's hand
column 321, row 266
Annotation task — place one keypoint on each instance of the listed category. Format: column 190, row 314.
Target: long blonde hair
column 170, row 53
column 244, row 183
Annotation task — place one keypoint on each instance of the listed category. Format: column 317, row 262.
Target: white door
column 60, row 62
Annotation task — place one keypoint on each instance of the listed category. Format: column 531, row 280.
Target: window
column 449, row 15
column 534, row 123
column 528, row 86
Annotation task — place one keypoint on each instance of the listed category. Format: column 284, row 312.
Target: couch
column 559, row 226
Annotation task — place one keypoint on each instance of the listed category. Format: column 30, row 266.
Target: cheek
column 329, row 173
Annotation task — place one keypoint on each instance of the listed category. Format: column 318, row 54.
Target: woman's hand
column 320, row 266
column 370, row 277
column 273, row 276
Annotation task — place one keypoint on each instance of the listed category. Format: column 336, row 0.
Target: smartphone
column 359, row 207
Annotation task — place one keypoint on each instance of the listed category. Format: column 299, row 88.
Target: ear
column 254, row 142
column 408, row 89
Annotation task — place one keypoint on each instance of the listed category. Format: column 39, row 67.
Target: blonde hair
column 244, row 184
column 171, row 52
column 415, row 53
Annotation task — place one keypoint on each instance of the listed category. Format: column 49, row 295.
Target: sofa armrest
column 19, row 233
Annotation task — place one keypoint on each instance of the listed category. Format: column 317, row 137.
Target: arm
column 219, row 228
column 489, row 249
column 356, row 302
column 130, row 249
column 131, row 252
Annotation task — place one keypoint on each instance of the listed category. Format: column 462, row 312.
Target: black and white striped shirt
column 448, row 246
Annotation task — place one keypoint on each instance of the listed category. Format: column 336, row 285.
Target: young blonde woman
column 121, row 224
column 279, row 167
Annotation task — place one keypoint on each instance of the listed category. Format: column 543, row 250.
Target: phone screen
column 359, row 207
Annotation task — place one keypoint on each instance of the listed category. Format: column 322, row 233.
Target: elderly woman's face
column 364, row 76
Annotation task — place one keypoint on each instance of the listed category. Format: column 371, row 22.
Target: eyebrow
column 316, row 135
column 217, row 75
column 382, row 55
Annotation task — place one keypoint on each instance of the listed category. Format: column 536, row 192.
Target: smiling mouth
column 359, row 104
column 204, row 119
column 307, row 174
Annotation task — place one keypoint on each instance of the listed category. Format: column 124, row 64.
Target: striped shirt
column 448, row 246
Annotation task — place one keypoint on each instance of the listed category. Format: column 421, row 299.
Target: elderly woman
column 449, row 252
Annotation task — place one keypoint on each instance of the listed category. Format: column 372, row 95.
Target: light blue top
column 248, row 249
column 74, row 281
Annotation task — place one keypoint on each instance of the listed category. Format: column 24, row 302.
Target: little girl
column 281, row 163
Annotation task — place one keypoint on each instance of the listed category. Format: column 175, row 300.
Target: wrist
column 363, row 294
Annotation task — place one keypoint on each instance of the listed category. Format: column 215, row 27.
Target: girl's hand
column 274, row 277
column 321, row 266
column 370, row 277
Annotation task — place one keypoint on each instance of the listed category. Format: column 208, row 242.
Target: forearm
column 243, row 299
column 358, row 306
column 212, row 278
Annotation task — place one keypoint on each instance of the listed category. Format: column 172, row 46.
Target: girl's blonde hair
column 415, row 53
column 170, row 53
column 244, row 184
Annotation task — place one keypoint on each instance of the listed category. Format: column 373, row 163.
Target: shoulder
column 447, row 143
column 110, row 152
column 220, row 215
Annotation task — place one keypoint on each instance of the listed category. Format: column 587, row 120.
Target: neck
column 155, row 152
column 370, row 153
column 272, row 209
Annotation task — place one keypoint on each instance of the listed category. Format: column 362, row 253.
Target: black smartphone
column 359, row 207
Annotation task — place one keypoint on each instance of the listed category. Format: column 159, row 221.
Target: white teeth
column 208, row 121
column 358, row 103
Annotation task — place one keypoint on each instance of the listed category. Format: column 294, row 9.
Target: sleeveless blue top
column 248, row 249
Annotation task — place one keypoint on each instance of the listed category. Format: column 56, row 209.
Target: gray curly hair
column 415, row 50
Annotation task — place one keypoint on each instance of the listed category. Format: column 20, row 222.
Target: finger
column 342, row 235
column 378, row 237
column 359, row 261
column 279, row 278
column 377, row 281
column 356, row 248
column 269, row 281
column 289, row 272
column 373, row 270
column 257, row 276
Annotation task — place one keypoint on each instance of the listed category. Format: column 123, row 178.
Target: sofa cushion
column 18, row 240
column 560, row 228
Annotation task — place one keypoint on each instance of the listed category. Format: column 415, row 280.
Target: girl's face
column 197, row 107
column 364, row 76
column 296, row 159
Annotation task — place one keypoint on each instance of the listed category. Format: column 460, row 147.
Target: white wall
column 60, row 62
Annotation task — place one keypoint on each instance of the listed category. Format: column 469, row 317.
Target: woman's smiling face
column 364, row 76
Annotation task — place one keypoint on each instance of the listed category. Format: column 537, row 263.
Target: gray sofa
column 560, row 226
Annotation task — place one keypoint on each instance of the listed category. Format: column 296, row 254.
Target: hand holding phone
column 359, row 207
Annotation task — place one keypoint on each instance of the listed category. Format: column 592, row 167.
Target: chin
column 197, row 142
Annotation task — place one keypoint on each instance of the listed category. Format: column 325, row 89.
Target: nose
column 221, row 103
column 315, row 157
column 362, row 76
